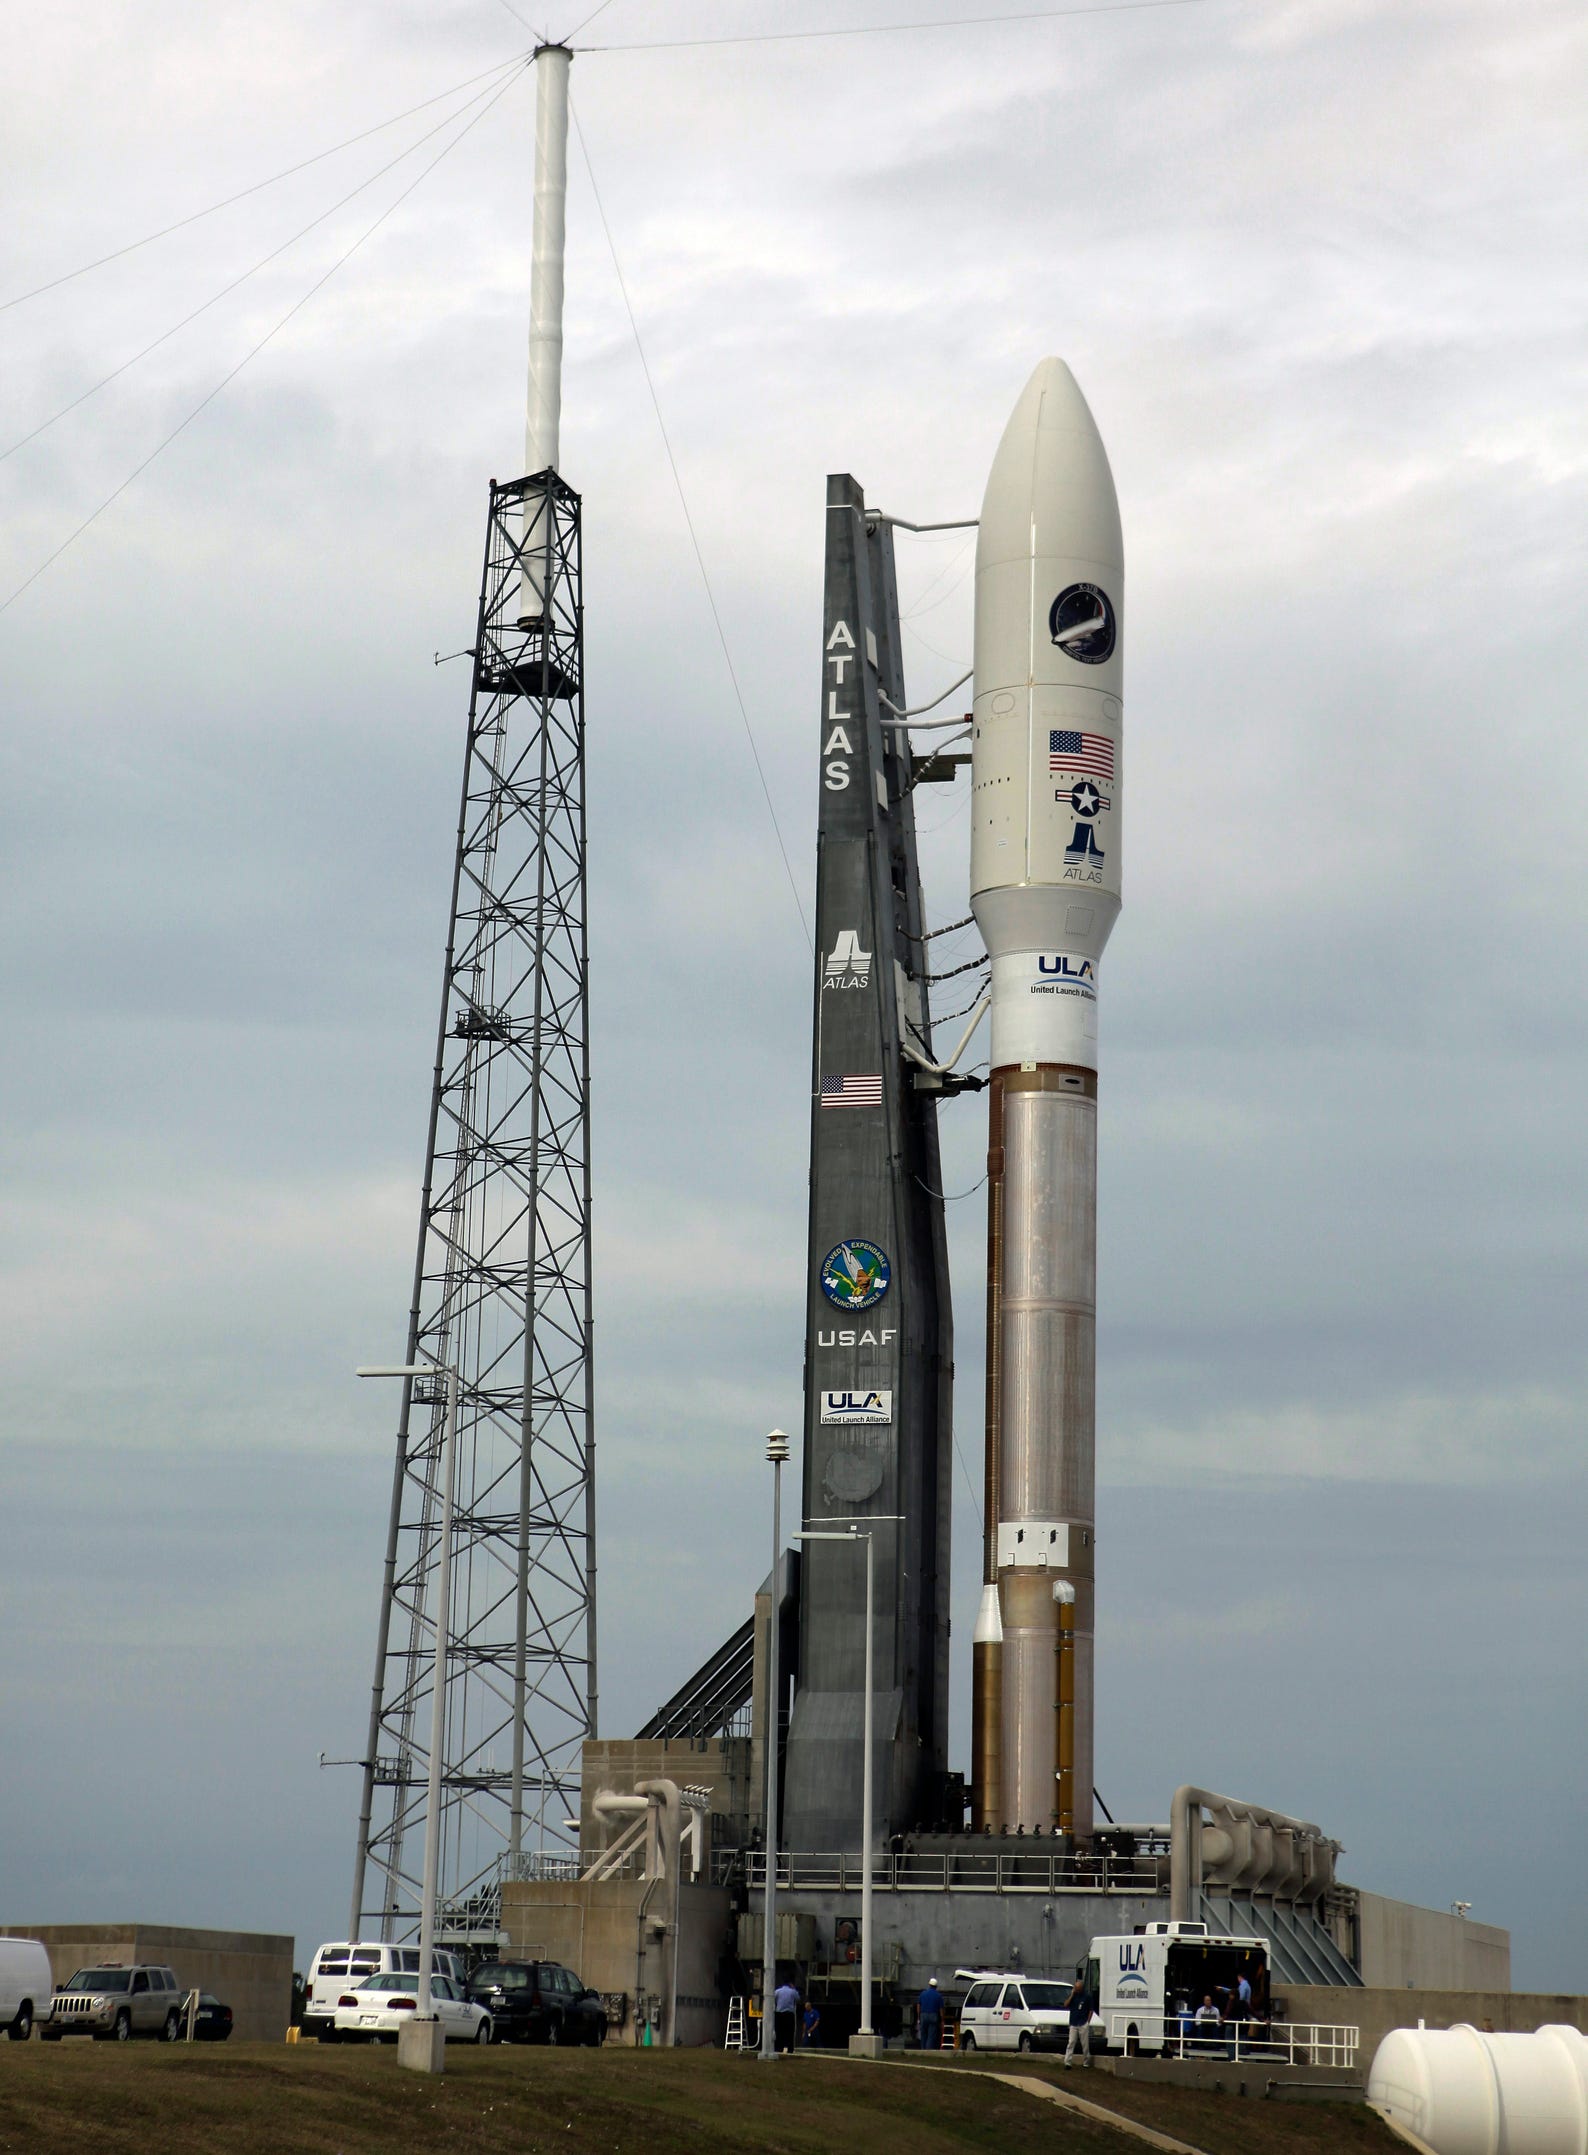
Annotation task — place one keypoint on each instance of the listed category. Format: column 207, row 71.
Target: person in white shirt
column 1208, row 2021
column 1082, row 2007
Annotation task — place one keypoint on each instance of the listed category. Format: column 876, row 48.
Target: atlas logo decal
column 847, row 965
column 1083, row 856
column 836, row 744
column 1087, row 804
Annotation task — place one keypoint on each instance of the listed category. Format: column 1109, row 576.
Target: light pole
column 431, row 2055
column 865, row 2041
column 777, row 1452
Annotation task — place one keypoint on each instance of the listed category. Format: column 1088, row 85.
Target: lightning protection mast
column 502, row 1276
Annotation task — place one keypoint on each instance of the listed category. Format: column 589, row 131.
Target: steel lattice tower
column 501, row 1285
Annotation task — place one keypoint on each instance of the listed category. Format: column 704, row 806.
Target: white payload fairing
column 1045, row 857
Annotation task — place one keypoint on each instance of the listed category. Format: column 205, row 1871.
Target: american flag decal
column 849, row 1090
column 1092, row 753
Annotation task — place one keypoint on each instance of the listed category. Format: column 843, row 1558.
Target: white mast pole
column 543, row 420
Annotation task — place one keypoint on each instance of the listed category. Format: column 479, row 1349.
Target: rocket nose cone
column 1050, row 489
column 1052, row 398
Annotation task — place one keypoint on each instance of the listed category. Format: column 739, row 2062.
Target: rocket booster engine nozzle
column 1046, row 767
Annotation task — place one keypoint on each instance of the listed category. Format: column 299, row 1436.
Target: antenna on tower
column 502, row 1275
column 543, row 414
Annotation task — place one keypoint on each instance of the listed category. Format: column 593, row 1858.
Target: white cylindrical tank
column 1466, row 2092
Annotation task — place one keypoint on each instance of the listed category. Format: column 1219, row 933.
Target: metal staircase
column 718, row 1691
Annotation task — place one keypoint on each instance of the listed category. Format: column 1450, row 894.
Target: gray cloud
column 1319, row 268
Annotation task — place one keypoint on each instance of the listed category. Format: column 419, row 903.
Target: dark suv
column 536, row 2001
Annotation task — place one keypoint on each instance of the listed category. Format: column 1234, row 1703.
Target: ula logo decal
column 857, row 1408
column 1068, row 968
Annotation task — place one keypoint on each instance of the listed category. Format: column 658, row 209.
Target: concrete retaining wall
column 1429, row 1948
column 1375, row 2012
column 250, row 1971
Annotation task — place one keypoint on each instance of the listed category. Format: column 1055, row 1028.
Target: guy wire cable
column 883, row 29
column 259, row 186
column 694, row 540
column 215, row 298
column 253, row 352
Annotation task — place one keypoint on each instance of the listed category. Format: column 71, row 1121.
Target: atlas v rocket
column 1045, row 766
column 1045, row 855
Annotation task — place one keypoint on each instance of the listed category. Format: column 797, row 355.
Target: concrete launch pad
column 944, row 1901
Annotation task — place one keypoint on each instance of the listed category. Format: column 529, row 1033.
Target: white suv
column 1013, row 2012
column 335, row 1968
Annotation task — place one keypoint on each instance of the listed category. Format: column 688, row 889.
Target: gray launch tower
column 879, row 1338
column 502, row 1282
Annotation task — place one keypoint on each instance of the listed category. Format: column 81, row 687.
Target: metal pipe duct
column 1282, row 1854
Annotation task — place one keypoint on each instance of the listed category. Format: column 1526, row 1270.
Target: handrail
column 1278, row 2042
column 942, row 1871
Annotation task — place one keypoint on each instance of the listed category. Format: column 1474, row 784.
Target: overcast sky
column 1320, row 267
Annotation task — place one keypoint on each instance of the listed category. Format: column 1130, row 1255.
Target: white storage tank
column 1464, row 2092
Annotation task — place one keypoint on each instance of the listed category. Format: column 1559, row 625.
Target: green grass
column 1221, row 2124
column 82, row 2098
column 147, row 2099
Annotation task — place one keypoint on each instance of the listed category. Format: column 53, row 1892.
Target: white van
column 1013, row 2011
column 335, row 1966
column 26, row 1986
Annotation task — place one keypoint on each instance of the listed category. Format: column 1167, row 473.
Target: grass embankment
column 263, row 2100
column 1220, row 2124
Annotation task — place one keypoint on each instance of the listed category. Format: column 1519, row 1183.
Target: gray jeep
column 114, row 2004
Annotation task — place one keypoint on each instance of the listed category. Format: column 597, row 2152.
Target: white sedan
column 372, row 2011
